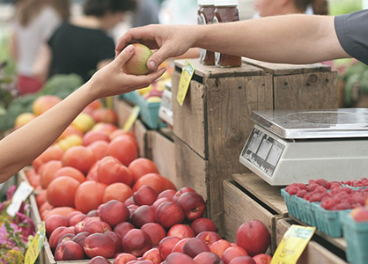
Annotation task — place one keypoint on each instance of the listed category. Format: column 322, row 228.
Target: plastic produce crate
column 356, row 235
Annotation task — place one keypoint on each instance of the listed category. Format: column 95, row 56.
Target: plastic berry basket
column 329, row 222
column 356, row 236
column 311, row 212
column 132, row 97
column 302, row 206
column 149, row 113
column 291, row 203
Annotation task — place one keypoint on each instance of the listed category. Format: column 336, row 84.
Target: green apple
column 137, row 64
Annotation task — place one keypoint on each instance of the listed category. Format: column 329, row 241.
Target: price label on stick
column 36, row 245
column 185, row 78
column 131, row 119
column 293, row 244
column 20, row 195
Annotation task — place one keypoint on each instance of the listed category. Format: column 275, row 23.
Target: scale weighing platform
column 285, row 146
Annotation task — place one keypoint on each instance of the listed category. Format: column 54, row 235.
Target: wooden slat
column 191, row 169
column 306, row 91
column 287, row 69
column 230, row 102
column 216, row 72
column 163, row 155
column 189, row 119
column 240, row 208
column 270, row 195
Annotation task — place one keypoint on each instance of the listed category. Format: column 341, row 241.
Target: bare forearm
column 282, row 39
column 24, row 145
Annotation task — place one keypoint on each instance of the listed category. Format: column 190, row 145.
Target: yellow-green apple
column 137, row 64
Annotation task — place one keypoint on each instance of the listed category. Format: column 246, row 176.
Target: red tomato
column 124, row 149
column 89, row 196
column 110, row 170
column 155, row 181
column 142, row 166
column 79, row 157
column 61, row 191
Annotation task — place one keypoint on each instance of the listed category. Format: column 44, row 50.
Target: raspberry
column 301, row 186
column 317, row 197
column 307, row 197
column 293, row 190
column 343, row 206
column 328, row 203
column 322, row 182
column 301, row 193
column 312, row 187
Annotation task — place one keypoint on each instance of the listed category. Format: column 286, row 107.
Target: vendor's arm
column 283, row 39
column 25, row 144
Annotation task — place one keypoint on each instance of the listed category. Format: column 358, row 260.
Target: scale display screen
column 263, row 151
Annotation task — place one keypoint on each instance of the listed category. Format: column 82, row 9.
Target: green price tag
column 185, row 78
column 131, row 119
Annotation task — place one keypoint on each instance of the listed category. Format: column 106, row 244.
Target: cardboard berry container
column 356, row 236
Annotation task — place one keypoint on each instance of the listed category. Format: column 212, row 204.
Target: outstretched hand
column 118, row 81
column 169, row 41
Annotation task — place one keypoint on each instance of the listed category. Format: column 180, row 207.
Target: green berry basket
column 329, row 222
column 356, row 236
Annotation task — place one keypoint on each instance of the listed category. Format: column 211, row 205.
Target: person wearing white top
column 34, row 22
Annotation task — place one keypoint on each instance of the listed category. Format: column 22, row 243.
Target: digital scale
column 285, row 147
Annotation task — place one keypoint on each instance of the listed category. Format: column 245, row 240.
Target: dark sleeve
column 352, row 32
column 105, row 49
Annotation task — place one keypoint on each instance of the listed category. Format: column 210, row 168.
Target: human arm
column 281, row 39
column 25, row 144
column 42, row 64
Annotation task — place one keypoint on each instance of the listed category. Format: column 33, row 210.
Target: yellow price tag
column 293, row 244
column 185, row 78
column 131, row 119
column 36, row 245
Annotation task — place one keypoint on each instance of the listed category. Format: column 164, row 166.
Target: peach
column 209, row 237
column 192, row 204
column 167, row 193
column 54, row 222
column 137, row 64
column 181, row 191
column 153, row 255
column 202, row 224
column 179, row 246
column 360, row 214
column 114, row 212
column 23, row 119
column 69, row 250
column 76, row 219
column 207, row 258
column 136, row 242
column 93, row 213
column 243, row 260
column 71, row 214
column 65, row 237
column 160, row 201
column 262, row 259
column 132, row 209
column 124, row 258
column 99, row 260
column 99, row 245
column 166, row 245
column 219, row 247
column 179, row 258
column 96, row 226
column 123, row 228
column 181, row 231
column 254, row 237
column 143, row 215
column 44, row 103
column 129, row 201
column 168, row 214
column 145, row 196
column 233, row 252
column 79, row 238
column 104, row 127
column 105, row 115
column 155, row 231
column 58, row 233
column 117, row 240
column 194, row 246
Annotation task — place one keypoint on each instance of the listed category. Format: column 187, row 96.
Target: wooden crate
column 214, row 123
column 162, row 153
column 257, row 201
column 314, row 252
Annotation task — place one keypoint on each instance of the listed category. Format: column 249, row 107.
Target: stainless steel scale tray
column 313, row 124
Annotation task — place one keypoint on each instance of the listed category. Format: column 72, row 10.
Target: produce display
column 16, row 232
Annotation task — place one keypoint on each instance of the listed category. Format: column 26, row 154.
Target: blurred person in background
column 146, row 13
column 267, row 8
column 83, row 44
column 320, row 7
column 34, row 22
